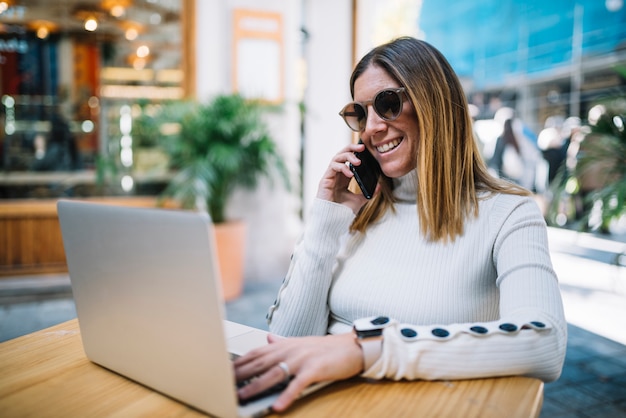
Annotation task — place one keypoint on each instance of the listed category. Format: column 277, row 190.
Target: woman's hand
column 308, row 359
column 334, row 183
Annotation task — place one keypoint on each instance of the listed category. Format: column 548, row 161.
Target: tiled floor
column 593, row 383
column 34, row 312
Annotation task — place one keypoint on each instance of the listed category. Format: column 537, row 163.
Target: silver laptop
column 148, row 300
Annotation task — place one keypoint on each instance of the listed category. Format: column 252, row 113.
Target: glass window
column 78, row 81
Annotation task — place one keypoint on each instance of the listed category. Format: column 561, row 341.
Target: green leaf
column 221, row 145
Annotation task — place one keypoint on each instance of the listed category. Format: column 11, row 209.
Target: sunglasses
column 387, row 104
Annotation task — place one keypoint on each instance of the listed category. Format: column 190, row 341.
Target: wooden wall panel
column 30, row 235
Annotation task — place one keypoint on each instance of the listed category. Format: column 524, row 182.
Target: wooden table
column 46, row 374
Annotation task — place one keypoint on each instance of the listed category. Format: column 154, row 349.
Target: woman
column 515, row 158
column 446, row 268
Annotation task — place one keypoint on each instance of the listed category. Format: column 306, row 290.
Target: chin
column 396, row 172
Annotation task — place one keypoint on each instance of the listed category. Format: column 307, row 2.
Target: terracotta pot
column 230, row 238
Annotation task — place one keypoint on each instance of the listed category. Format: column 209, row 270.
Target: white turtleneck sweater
column 497, row 276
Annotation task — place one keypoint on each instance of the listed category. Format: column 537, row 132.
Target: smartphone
column 367, row 173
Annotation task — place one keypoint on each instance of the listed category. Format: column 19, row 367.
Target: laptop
column 148, row 299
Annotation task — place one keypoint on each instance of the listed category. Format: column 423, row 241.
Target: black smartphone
column 367, row 173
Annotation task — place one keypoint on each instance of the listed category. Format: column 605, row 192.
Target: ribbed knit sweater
column 492, row 290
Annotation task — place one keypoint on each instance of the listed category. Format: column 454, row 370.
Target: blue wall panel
column 492, row 41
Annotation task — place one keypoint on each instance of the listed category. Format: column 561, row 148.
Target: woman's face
column 392, row 143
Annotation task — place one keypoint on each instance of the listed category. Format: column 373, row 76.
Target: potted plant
column 218, row 147
column 595, row 185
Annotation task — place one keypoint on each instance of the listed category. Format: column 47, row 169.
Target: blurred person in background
column 516, row 158
column 553, row 141
column 58, row 150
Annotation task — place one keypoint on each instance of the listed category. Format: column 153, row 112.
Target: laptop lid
column 148, row 299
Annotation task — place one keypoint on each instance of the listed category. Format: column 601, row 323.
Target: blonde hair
column 451, row 172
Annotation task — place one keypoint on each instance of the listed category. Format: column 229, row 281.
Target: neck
column 405, row 187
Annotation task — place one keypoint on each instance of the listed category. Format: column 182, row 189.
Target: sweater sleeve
column 529, row 337
column 301, row 307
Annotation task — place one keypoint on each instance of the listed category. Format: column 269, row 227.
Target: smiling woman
column 444, row 264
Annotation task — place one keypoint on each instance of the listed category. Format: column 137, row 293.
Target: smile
column 389, row 146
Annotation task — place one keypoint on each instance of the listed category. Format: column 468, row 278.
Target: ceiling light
column 116, row 8
column 132, row 29
column 42, row 28
column 42, row 32
column 5, row 4
column 117, row 11
column 131, row 34
column 91, row 24
column 143, row 51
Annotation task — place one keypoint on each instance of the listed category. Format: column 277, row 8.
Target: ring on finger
column 285, row 368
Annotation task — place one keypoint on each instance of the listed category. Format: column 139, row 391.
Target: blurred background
column 88, row 88
column 95, row 95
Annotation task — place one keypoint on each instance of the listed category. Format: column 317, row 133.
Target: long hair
column 451, row 172
column 508, row 135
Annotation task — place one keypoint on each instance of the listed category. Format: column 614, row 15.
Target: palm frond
column 221, row 145
column 601, row 160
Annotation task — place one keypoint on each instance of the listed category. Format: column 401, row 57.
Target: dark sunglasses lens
column 354, row 115
column 388, row 104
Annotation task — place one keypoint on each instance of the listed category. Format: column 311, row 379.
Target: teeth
column 389, row 146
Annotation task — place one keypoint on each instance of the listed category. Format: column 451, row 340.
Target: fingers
column 272, row 338
column 291, row 393
column 334, row 183
column 306, row 360
column 253, row 364
column 339, row 162
column 347, row 155
column 266, row 365
column 338, row 357
column 273, row 376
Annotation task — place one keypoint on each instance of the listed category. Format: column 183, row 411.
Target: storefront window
column 77, row 78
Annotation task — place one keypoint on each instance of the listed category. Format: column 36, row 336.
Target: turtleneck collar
column 405, row 187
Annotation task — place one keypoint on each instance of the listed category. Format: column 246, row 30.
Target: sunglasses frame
column 400, row 91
